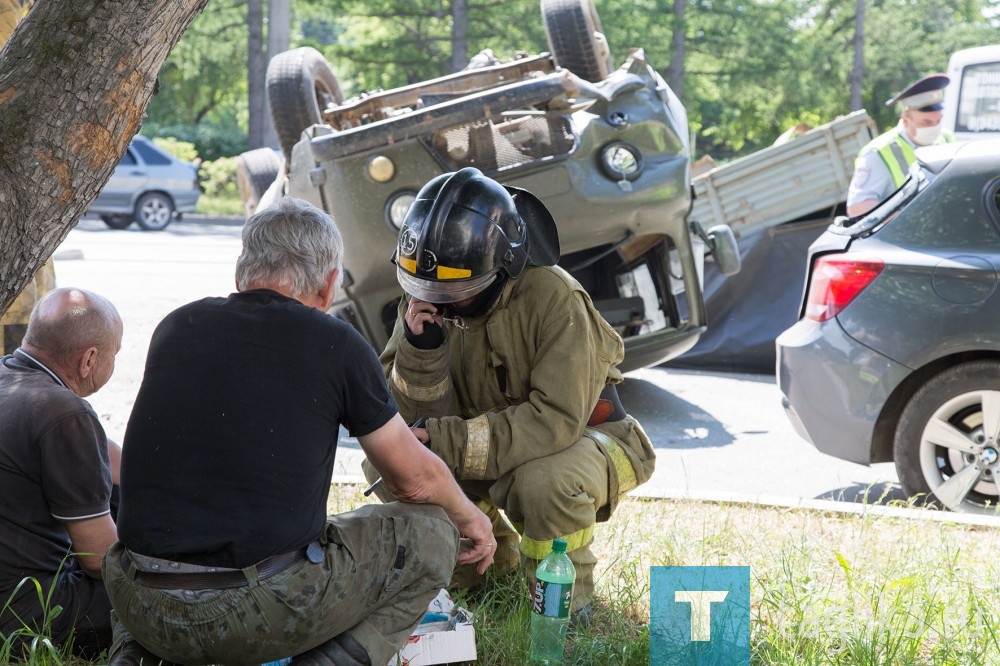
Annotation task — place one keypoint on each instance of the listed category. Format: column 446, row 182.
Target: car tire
column 154, row 211
column 255, row 171
column 300, row 85
column 117, row 221
column 945, row 456
column 576, row 38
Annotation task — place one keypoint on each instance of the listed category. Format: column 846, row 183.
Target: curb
column 828, row 506
column 224, row 220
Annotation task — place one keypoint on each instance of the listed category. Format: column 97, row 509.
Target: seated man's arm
column 92, row 537
column 414, row 474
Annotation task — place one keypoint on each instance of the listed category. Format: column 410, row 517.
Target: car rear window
column 149, row 154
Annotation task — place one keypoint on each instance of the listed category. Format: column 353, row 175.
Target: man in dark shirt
column 57, row 468
column 226, row 553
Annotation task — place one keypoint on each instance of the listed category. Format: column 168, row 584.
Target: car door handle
column 137, row 173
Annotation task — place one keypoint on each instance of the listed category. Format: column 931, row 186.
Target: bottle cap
column 559, row 545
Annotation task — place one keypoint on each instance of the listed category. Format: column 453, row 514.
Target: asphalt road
column 717, row 435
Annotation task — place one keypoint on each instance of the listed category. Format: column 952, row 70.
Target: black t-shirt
column 53, row 468
column 230, row 446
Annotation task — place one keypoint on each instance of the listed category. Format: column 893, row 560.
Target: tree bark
column 857, row 73
column 459, row 35
column 256, row 75
column 279, row 38
column 75, row 79
column 678, row 50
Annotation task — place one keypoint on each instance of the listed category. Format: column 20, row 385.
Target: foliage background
column 752, row 68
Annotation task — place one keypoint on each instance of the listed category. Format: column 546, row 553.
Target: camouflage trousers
column 382, row 565
column 562, row 495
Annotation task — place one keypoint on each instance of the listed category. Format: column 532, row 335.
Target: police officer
column 506, row 355
column 882, row 165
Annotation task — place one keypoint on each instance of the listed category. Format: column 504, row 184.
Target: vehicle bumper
column 645, row 351
column 186, row 202
column 834, row 388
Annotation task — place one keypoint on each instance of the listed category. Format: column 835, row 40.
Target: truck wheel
column 117, row 221
column 154, row 211
column 945, row 446
column 300, row 86
column 255, row 171
column 576, row 38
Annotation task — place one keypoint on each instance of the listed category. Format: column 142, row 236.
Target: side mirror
column 722, row 244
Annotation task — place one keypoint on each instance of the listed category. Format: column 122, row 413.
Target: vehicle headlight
column 397, row 207
column 381, row 169
column 621, row 161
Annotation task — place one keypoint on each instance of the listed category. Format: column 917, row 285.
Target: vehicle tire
column 576, row 38
column 154, row 211
column 117, row 221
column 255, row 171
column 946, row 444
column 300, row 85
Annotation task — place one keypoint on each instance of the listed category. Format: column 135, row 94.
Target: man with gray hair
column 57, row 470
column 226, row 554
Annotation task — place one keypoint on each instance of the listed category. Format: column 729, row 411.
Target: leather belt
column 210, row 580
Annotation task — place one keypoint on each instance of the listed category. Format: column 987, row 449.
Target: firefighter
column 882, row 165
column 515, row 371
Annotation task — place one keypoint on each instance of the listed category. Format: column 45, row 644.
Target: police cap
column 924, row 95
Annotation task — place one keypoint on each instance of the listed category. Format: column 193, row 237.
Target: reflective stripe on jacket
column 898, row 153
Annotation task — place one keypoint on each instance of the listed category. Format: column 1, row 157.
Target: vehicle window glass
column 979, row 99
column 955, row 208
column 128, row 159
column 149, row 154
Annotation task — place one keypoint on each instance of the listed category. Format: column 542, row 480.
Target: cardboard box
column 445, row 636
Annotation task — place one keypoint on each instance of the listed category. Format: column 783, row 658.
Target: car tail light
column 836, row 280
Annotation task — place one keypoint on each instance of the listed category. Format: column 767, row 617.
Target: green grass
column 826, row 587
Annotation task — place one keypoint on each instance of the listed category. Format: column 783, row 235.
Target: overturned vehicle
column 605, row 148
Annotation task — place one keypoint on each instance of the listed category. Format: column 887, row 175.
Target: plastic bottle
column 550, row 604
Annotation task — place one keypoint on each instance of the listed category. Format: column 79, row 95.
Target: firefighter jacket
column 519, row 383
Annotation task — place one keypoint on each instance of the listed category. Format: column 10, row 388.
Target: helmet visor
column 443, row 291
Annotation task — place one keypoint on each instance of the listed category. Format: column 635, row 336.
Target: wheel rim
column 155, row 212
column 960, row 452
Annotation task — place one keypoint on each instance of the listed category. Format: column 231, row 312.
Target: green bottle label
column 552, row 599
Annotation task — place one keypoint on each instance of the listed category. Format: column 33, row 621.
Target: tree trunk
column 256, row 73
column 459, row 35
column 678, row 50
column 75, row 80
column 857, row 74
column 279, row 38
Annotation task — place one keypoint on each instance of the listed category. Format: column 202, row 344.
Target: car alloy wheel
column 947, row 446
column 154, row 211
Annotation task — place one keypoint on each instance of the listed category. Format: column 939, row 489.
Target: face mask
column 925, row 136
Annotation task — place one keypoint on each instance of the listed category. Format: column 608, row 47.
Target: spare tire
column 255, row 171
column 576, row 38
column 300, row 86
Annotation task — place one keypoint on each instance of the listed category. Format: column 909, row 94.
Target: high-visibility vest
column 898, row 153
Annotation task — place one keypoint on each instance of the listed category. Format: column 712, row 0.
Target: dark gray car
column 896, row 356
